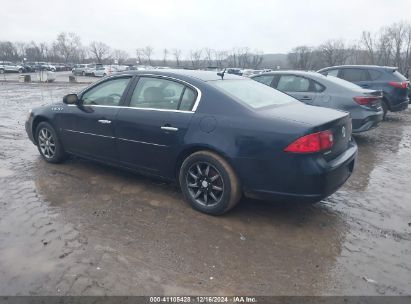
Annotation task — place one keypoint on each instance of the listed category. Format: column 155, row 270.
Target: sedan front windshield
column 253, row 93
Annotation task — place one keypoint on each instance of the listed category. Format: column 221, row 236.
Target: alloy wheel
column 47, row 143
column 205, row 183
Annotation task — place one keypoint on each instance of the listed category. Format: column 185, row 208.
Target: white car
column 91, row 69
column 104, row 71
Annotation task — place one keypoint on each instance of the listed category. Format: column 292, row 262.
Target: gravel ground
column 81, row 228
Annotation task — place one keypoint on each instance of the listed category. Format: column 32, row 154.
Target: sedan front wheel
column 48, row 143
column 209, row 183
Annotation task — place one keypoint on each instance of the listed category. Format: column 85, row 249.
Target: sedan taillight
column 400, row 85
column 312, row 143
column 366, row 100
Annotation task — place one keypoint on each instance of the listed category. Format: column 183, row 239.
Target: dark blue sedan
column 220, row 136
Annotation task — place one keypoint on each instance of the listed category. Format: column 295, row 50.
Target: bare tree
column 384, row 47
column 301, row 58
column 220, row 57
column 67, row 45
column 209, row 54
column 99, row 50
column 148, row 52
column 177, row 56
column 8, row 50
column 333, row 52
column 398, row 34
column 139, row 54
column 256, row 58
column 165, row 54
column 195, row 58
column 407, row 61
column 369, row 44
column 120, row 55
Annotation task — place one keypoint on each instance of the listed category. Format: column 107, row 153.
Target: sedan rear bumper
column 368, row 123
column 310, row 181
column 400, row 107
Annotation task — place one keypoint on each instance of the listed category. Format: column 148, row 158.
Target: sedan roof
column 201, row 75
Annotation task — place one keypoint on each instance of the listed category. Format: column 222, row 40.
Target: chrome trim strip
column 142, row 142
column 85, row 133
column 195, row 106
column 136, row 141
column 135, row 108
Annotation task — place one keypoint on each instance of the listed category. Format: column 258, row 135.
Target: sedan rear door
column 151, row 130
column 299, row 87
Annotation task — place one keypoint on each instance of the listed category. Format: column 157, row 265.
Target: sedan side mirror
column 71, row 99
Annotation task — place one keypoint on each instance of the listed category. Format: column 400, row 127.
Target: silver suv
column 8, row 66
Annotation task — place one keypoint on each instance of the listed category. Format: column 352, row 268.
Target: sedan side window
column 157, row 93
column 354, row 75
column 188, row 99
column 107, row 93
column 332, row 72
column 292, row 83
column 265, row 79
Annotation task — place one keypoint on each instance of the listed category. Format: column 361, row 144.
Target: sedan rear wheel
column 209, row 183
column 48, row 143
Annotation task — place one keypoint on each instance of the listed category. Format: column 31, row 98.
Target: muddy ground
column 80, row 228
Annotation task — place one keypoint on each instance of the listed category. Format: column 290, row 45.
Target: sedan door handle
column 104, row 121
column 305, row 98
column 168, row 128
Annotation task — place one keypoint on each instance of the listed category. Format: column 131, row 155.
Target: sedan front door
column 151, row 131
column 89, row 127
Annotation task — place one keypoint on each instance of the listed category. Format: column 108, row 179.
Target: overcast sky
column 273, row 26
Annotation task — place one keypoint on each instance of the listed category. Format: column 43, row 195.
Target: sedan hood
column 299, row 112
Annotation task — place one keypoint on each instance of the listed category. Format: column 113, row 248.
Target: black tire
column 1, row 71
column 219, row 175
column 104, row 75
column 384, row 108
column 83, row 73
column 52, row 154
column 20, row 71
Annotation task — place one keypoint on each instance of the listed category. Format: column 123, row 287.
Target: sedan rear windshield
column 253, row 93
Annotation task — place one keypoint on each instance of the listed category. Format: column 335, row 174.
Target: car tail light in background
column 311, row 143
column 366, row 100
column 400, row 85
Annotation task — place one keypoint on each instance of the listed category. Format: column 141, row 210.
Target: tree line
column 68, row 48
column 390, row 46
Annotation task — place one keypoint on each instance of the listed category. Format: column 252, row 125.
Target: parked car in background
column 27, row 68
column 80, row 69
column 220, row 138
column 91, row 68
column 59, row 67
column 8, row 66
column 44, row 66
column 234, row 71
column 393, row 84
column 327, row 91
column 104, row 71
column 246, row 72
